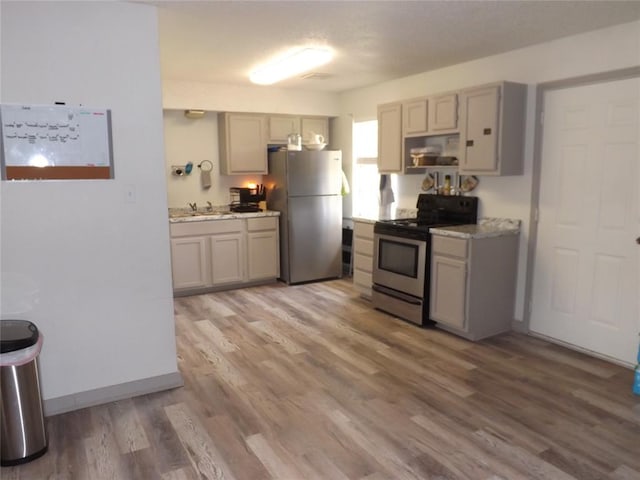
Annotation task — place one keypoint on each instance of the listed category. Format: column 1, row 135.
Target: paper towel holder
column 206, row 163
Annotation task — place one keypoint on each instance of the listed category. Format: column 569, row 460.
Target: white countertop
column 485, row 228
column 181, row 215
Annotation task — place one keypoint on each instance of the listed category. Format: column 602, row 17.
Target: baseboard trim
column 112, row 393
column 576, row 348
column 519, row 326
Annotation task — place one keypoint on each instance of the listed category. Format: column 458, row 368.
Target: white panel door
column 586, row 288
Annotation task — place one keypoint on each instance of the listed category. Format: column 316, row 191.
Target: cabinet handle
column 487, row 131
column 469, row 143
column 638, row 240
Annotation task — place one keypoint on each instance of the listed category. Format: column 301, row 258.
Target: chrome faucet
column 194, row 207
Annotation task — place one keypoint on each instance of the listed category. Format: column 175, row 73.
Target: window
column 366, row 179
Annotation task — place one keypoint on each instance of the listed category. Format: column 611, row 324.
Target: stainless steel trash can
column 23, row 431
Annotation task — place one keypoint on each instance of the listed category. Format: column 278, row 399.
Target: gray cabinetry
column 492, row 129
column 390, row 138
column 363, row 257
column 443, row 113
column 189, row 262
column 414, row 117
column 263, row 248
column 473, row 284
column 280, row 126
column 317, row 125
column 243, row 143
column 226, row 253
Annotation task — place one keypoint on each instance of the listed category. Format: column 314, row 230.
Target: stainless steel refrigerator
column 305, row 187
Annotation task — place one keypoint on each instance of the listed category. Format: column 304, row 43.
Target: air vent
column 315, row 76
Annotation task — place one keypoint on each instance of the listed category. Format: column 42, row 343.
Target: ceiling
column 374, row 41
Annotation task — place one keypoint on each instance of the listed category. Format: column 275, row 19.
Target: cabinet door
column 189, row 262
column 443, row 113
column 448, row 291
column 243, row 144
column 281, row 127
column 414, row 117
column 390, row 138
column 227, row 254
column 315, row 125
column 263, row 253
column 479, row 130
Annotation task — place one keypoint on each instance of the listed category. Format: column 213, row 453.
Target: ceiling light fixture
column 294, row 62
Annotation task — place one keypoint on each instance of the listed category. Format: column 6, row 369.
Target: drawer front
column 361, row 229
column 454, row 247
column 363, row 246
column 362, row 279
column 206, row 227
column 363, row 262
column 262, row 223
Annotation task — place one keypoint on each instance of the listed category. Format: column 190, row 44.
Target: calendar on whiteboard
column 55, row 142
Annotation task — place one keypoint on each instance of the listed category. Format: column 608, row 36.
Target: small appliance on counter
column 247, row 199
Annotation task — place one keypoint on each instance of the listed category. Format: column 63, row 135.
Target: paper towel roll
column 205, row 178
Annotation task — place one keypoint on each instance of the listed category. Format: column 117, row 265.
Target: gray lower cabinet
column 220, row 254
column 263, row 248
column 473, row 284
column 362, row 252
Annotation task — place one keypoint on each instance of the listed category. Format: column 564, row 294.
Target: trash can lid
column 16, row 335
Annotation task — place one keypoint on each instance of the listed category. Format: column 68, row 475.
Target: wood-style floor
column 308, row 382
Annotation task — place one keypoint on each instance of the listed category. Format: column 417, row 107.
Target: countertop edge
column 446, row 232
column 224, row 216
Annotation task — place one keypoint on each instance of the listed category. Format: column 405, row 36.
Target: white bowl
column 314, row 146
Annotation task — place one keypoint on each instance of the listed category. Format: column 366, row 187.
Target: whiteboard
column 55, row 136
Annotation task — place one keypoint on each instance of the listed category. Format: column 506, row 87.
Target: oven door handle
column 400, row 296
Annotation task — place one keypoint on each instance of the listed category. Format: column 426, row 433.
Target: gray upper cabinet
column 390, row 138
column 414, row 117
column 443, row 113
column 318, row 125
column 492, row 129
column 281, row 126
column 243, row 143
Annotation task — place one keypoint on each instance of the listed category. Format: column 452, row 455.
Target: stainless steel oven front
column 399, row 275
column 398, row 263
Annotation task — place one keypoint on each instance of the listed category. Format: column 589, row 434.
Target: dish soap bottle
column 447, row 185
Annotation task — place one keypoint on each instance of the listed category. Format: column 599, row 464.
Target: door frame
column 541, row 90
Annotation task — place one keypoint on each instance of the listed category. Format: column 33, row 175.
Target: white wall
column 91, row 270
column 240, row 98
column 195, row 140
column 598, row 51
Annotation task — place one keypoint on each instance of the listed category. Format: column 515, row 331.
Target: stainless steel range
column 402, row 250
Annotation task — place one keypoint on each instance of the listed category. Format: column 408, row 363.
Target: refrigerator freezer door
column 314, row 173
column 315, row 238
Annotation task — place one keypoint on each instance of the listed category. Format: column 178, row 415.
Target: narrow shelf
column 430, row 168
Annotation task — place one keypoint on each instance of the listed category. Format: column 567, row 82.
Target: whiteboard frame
column 10, row 172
